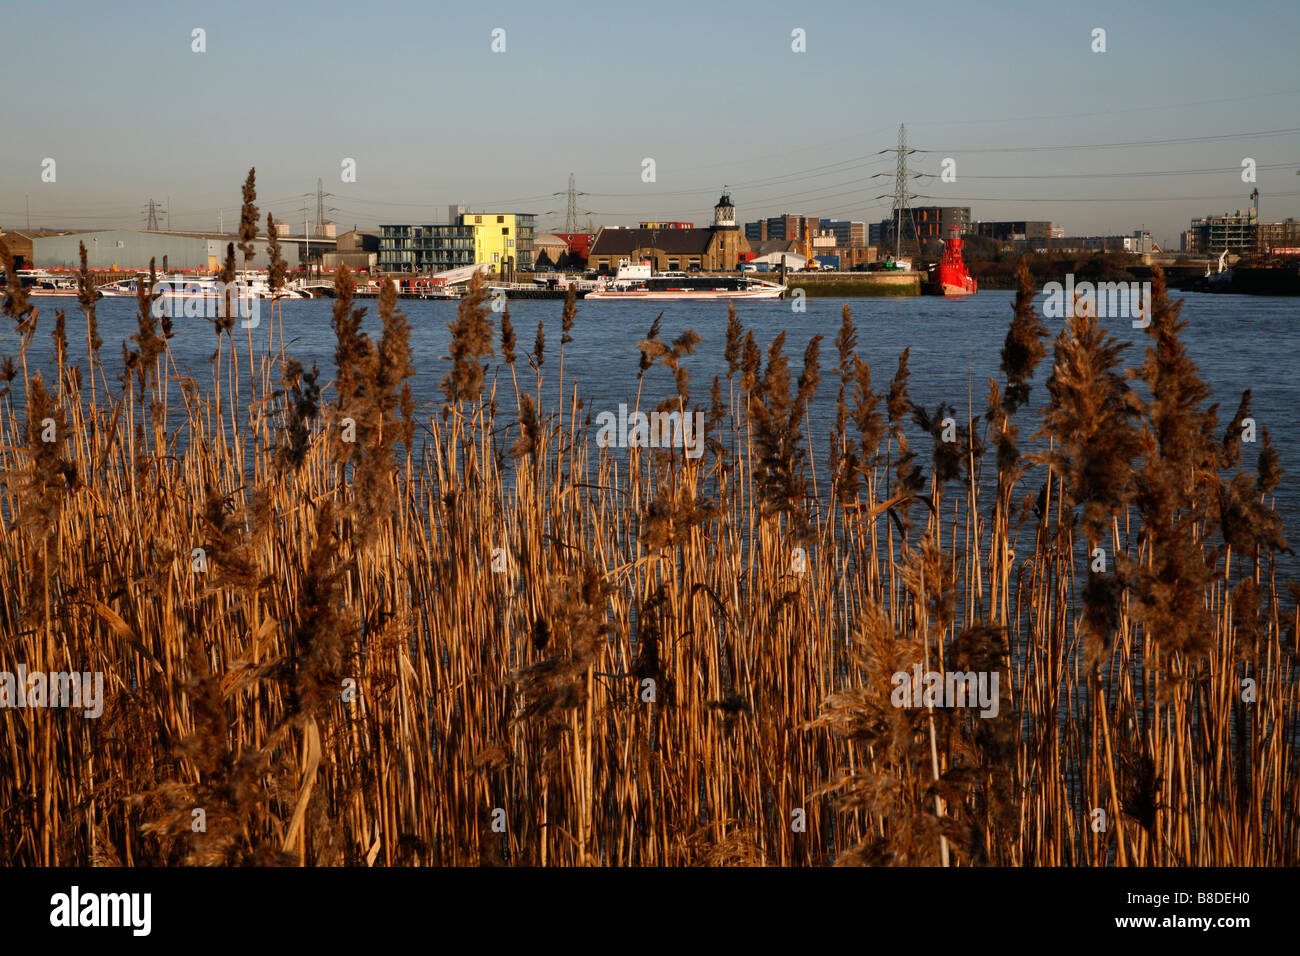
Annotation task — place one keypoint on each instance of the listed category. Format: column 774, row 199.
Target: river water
column 1238, row 342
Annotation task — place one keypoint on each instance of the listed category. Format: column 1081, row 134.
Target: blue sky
column 711, row 91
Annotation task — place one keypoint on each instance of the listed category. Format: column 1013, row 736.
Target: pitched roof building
column 113, row 250
column 715, row 249
column 19, row 243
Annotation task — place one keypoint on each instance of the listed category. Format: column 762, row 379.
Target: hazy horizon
column 432, row 116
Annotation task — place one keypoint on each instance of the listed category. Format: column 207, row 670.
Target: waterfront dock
column 856, row 284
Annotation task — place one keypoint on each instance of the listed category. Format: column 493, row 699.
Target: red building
column 579, row 244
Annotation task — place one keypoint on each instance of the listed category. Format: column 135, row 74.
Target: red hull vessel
column 949, row 276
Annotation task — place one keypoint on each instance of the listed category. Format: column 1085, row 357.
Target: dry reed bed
column 357, row 677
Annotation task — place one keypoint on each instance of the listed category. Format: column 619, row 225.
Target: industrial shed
column 126, row 250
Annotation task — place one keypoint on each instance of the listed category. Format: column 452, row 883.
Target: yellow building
column 501, row 238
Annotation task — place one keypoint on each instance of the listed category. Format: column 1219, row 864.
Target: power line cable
column 1155, row 172
column 1133, row 144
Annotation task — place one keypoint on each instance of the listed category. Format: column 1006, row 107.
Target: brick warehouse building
column 715, row 249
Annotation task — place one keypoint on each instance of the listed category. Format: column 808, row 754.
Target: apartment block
column 1210, row 235
column 847, row 232
column 501, row 240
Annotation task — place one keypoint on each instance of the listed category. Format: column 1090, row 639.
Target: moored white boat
column 41, row 284
column 639, row 282
column 558, row 281
column 254, row 285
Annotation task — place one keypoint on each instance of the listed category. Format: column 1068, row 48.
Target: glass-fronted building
column 425, row 249
column 498, row 239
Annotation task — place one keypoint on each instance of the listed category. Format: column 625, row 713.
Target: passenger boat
column 38, row 284
column 418, row 288
column 640, row 282
column 949, row 275
column 447, row 293
column 119, row 289
column 255, row 285
column 426, row 287
column 556, row 281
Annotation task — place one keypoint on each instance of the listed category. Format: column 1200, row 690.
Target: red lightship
column 949, row 276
